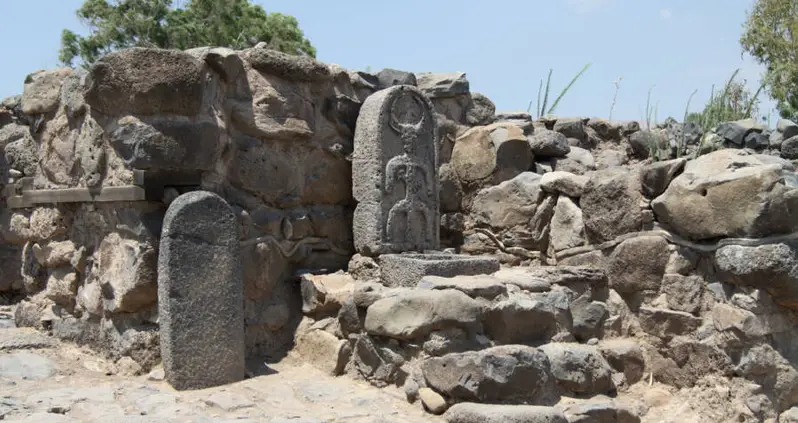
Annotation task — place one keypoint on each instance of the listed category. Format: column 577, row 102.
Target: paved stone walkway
column 44, row 381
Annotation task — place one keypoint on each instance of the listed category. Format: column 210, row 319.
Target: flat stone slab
column 24, row 338
column 484, row 286
column 201, row 293
column 408, row 269
column 66, row 398
column 76, row 195
column 521, row 278
column 469, row 412
column 325, row 293
column 7, row 319
column 228, row 401
column 416, row 313
column 25, row 365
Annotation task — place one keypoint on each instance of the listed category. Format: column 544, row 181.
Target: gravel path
column 43, row 381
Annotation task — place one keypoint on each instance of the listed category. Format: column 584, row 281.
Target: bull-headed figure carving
column 407, row 118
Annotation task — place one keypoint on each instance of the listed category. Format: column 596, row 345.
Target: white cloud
column 666, row 14
column 583, row 7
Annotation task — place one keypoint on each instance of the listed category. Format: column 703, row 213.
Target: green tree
column 771, row 36
column 238, row 24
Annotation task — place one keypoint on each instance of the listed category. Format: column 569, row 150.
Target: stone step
column 485, row 413
column 408, row 269
column 599, row 409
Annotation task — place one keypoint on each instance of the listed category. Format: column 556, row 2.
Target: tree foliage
column 771, row 36
column 238, row 24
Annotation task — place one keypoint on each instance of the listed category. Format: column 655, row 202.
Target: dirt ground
column 43, row 380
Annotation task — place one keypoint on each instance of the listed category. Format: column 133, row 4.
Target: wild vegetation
column 543, row 94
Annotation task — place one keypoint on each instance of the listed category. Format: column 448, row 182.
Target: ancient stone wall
column 94, row 158
column 679, row 240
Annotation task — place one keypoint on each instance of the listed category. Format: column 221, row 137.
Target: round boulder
column 499, row 150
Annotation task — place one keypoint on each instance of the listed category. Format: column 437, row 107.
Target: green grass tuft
column 544, row 92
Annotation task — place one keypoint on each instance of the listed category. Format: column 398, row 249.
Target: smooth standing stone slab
column 201, row 293
column 394, row 173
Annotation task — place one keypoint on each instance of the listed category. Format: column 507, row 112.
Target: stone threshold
column 31, row 198
column 147, row 186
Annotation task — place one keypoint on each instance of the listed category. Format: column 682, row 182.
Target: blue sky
column 504, row 46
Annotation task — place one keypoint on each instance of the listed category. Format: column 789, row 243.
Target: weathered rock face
column 10, row 277
column 127, row 274
column 497, row 152
column 43, row 91
column 766, row 366
column 511, row 373
column 521, row 320
column 772, row 268
column 417, row 313
column 762, row 190
column 691, row 360
column 144, row 81
column 626, row 356
column 482, row 110
column 389, row 77
column 21, row 151
column 564, row 183
column 638, row 264
column 600, row 410
column 569, row 275
column 323, row 295
column 736, row 132
column 510, row 203
column 610, row 205
column 665, row 323
column 578, row 161
column 483, row 286
column 548, row 143
column 451, row 189
column 579, row 369
column 442, row 85
column 645, row 143
column 684, row 293
column 656, row 177
column 449, row 93
column 567, row 225
column 167, row 144
column 324, row 350
column 588, row 318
